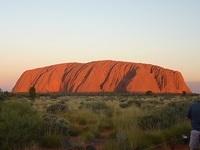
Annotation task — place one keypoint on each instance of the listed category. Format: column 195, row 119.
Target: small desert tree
column 1, row 94
column 32, row 93
column 149, row 92
column 184, row 93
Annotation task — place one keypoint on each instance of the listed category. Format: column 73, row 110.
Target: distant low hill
column 102, row 76
column 194, row 86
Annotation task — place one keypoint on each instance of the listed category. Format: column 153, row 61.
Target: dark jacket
column 194, row 115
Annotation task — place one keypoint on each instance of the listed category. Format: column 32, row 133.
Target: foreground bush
column 95, row 106
column 149, row 140
column 53, row 125
column 124, row 104
column 4, row 95
column 19, row 125
column 98, row 107
column 51, row 141
column 164, row 118
column 57, row 108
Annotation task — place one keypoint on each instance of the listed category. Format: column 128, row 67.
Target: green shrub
column 150, row 122
column 128, row 103
column 82, row 121
column 57, row 108
column 77, row 146
column 124, row 104
column 164, row 118
column 95, row 106
column 51, row 141
column 122, row 140
column 4, row 95
column 123, row 100
column 19, row 125
column 88, row 136
column 54, row 96
column 105, row 124
column 137, row 103
column 111, row 145
column 108, row 112
column 90, row 147
column 175, row 132
column 52, row 124
column 74, row 131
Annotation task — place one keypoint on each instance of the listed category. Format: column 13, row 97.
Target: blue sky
column 44, row 32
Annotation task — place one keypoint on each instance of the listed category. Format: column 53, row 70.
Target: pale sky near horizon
column 45, row 32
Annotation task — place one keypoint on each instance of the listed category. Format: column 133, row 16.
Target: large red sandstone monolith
column 102, row 76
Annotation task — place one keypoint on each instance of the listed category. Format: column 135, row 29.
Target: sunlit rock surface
column 102, row 76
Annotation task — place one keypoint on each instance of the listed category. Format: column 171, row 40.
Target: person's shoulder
column 196, row 103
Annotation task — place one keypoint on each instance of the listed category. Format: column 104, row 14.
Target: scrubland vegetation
column 112, row 122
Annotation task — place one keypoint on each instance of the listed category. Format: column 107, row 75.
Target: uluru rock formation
column 102, row 76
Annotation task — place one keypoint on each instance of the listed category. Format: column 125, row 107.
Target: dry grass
column 114, row 119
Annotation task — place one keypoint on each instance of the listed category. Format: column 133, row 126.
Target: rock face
column 102, row 76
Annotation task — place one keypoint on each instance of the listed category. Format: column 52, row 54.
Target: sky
column 45, row 32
